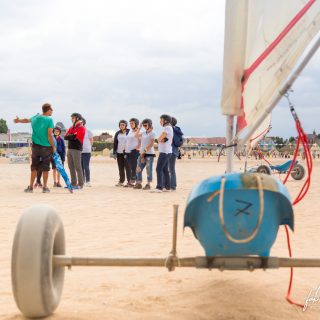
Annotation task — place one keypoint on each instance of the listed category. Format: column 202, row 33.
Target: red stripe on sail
column 241, row 121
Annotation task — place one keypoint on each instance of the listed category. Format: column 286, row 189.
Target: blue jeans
column 147, row 163
column 172, row 171
column 132, row 159
column 85, row 162
column 163, row 176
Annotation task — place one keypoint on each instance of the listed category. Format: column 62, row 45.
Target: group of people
column 134, row 150
column 46, row 140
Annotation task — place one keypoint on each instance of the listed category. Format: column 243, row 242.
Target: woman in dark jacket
column 75, row 136
column 119, row 145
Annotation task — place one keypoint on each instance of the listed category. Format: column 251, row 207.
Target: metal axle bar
column 222, row 263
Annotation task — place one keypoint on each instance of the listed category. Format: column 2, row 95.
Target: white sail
column 263, row 42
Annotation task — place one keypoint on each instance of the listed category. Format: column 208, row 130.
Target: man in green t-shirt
column 42, row 145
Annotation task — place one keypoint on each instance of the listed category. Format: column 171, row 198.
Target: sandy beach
column 118, row 222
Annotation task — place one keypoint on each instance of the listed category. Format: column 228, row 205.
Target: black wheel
column 298, row 172
column 36, row 283
column 264, row 169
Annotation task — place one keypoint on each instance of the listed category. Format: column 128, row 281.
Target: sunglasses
column 145, row 125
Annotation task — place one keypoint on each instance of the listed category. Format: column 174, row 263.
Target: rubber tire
column 37, row 285
column 298, row 172
column 264, row 169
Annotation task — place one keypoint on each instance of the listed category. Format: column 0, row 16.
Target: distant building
column 210, row 143
column 14, row 140
column 312, row 138
column 103, row 137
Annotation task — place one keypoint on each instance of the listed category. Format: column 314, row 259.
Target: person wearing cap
column 86, row 154
column 147, row 154
column 119, row 145
column 165, row 151
column 132, row 150
column 42, row 145
column 61, row 149
column 75, row 136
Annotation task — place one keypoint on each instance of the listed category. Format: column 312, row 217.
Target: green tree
column 292, row 139
column 279, row 142
column 3, row 126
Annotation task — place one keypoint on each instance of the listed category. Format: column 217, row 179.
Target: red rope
column 288, row 296
column 304, row 140
column 262, row 157
column 293, row 161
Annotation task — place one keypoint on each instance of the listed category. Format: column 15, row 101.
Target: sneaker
column 173, row 189
column 119, row 184
column 166, row 190
column 45, row 190
column 156, row 191
column 59, row 185
column 138, row 186
column 147, row 187
column 28, row 190
column 128, row 185
column 88, row 184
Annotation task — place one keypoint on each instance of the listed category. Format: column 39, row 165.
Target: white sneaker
column 156, row 191
column 88, row 184
column 166, row 190
column 119, row 184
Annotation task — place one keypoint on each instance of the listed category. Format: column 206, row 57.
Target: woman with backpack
column 177, row 142
column 119, row 145
column 165, row 151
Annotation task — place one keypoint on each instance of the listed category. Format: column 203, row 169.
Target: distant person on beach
column 119, row 145
column 75, row 136
column 42, row 145
column 86, row 154
column 147, row 154
column 165, row 151
column 61, row 149
column 177, row 142
column 132, row 150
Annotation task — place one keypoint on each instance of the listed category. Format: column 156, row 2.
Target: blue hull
column 241, row 209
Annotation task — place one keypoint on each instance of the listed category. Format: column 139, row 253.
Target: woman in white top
column 165, row 151
column 132, row 150
column 147, row 154
column 86, row 154
column 119, row 145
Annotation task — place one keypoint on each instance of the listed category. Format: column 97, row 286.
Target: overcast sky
column 112, row 60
